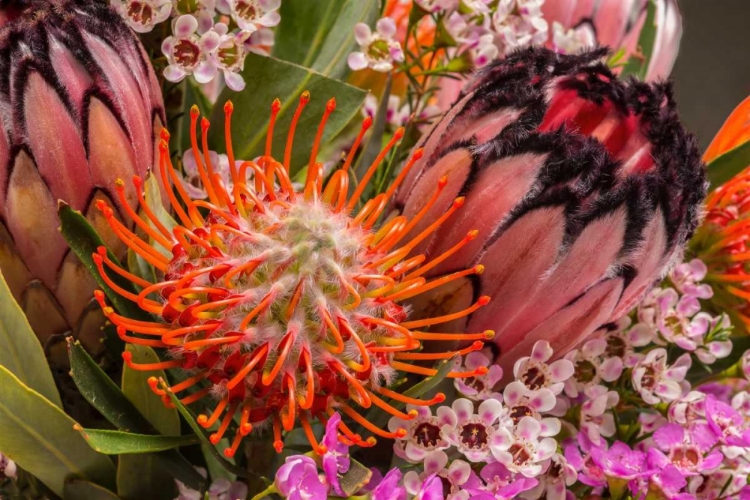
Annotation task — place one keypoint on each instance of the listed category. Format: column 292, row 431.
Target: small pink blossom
column 655, row 381
column 188, row 53
column 143, row 15
column 472, row 432
column 535, row 373
column 596, row 416
column 378, row 50
column 591, row 367
column 436, row 465
column 479, row 387
column 423, row 434
column 252, row 15
column 523, row 452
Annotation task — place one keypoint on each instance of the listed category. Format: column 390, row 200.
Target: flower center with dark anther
column 555, row 471
column 427, row 435
column 673, row 323
column 520, row 454
column 616, row 347
column 520, row 411
column 475, row 383
column 474, row 435
column 534, row 378
column 247, row 10
column 585, row 371
column 379, row 50
column 186, row 53
column 140, row 12
column 648, row 381
column 685, row 457
column 228, row 56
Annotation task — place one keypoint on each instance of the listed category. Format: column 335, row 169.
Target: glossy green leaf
column 139, row 476
column 637, row 66
column 105, row 396
column 118, row 442
column 268, row 78
column 84, row 241
column 20, row 350
column 728, row 165
column 40, row 437
column 77, row 489
column 320, row 34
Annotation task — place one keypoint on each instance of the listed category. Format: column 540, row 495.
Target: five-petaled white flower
column 379, row 50
column 188, row 53
column 143, row 15
column 524, row 452
column 423, row 433
column 536, row 373
column 655, row 381
column 471, row 433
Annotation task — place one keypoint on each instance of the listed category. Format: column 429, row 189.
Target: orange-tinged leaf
column 734, row 132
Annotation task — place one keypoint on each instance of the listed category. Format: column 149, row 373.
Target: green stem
column 268, row 491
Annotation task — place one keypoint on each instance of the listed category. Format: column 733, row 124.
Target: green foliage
column 726, row 166
column 637, row 66
column 320, row 35
column 40, row 437
column 20, row 351
column 139, row 476
column 118, row 442
column 78, row 489
column 105, row 396
column 267, row 79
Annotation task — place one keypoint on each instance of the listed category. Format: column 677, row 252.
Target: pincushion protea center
column 283, row 305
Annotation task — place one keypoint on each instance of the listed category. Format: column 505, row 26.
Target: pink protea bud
column 584, row 189
column 618, row 24
column 79, row 102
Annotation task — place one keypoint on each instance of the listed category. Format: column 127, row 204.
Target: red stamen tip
column 245, row 429
column 276, row 106
column 229, row 453
column 127, row 356
column 482, row 370
column 99, row 295
column 478, row 269
column 442, row 182
column 400, row 432
column 399, row 133
column 101, row 250
column 119, row 184
column 214, row 438
column 137, row 181
column 419, row 153
column 472, row 234
column 194, row 111
column 478, row 344
column 459, row 202
column 122, row 332
column 164, row 135
column 202, row 419
column 153, row 383
column 413, row 414
column 305, row 97
column 367, row 123
column 97, row 259
column 205, row 123
column 439, row 397
column 322, row 449
column 278, row 446
column 331, row 104
column 484, row 300
column 228, row 107
column 489, row 334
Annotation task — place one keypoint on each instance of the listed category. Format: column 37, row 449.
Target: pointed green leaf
column 728, row 165
column 20, row 350
column 40, row 437
column 105, row 396
column 320, row 35
column 84, row 241
column 637, row 66
column 355, row 478
column 268, row 78
column 118, row 442
column 139, row 476
column 78, row 489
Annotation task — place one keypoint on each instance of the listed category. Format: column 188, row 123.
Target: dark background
column 712, row 73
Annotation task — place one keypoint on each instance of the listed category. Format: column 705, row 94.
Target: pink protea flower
column 618, row 24
column 284, row 303
column 584, row 189
column 80, row 102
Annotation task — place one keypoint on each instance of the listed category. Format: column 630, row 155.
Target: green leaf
column 84, row 241
column 140, row 476
column 118, row 442
column 40, row 437
column 105, row 396
column 320, row 35
column 728, row 165
column 268, row 78
column 201, row 433
column 637, row 66
column 355, row 478
column 77, row 489
column 20, row 350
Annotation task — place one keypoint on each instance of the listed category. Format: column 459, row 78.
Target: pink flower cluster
column 202, row 44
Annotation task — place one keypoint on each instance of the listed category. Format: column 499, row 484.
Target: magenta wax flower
column 618, row 24
column 335, row 455
column 80, row 102
column 583, row 189
column 298, row 479
column 690, row 450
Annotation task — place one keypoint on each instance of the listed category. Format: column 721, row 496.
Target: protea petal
column 582, row 201
column 79, row 101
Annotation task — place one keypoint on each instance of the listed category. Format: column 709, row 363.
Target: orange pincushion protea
column 283, row 304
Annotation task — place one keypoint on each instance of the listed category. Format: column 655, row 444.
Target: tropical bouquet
column 369, row 250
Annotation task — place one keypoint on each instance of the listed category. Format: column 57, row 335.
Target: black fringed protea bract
column 78, row 105
column 584, row 189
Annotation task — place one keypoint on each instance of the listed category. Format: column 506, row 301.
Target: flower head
column 284, row 303
column 471, row 432
column 378, row 50
column 143, row 15
column 656, row 381
column 524, row 452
